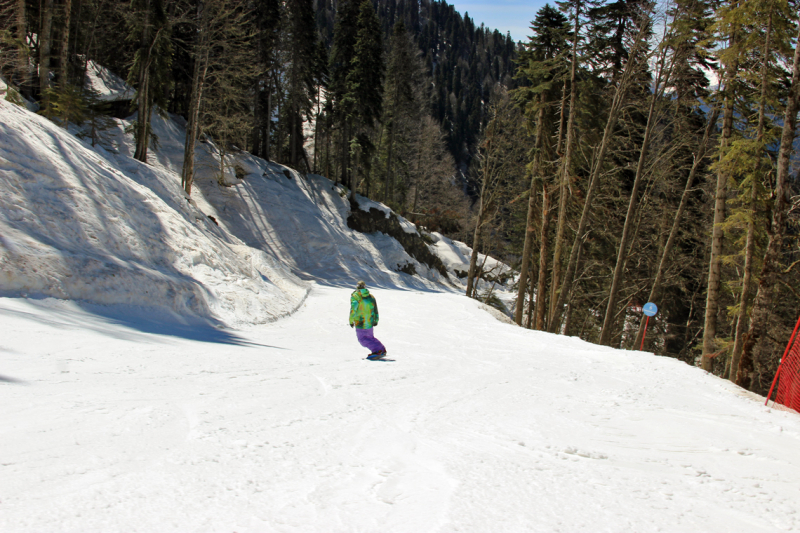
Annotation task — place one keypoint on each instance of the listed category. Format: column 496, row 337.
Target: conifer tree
column 691, row 45
column 777, row 20
column 341, row 64
column 541, row 64
column 45, row 48
column 730, row 30
column 501, row 158
column 14, row 51
column 323, row 110
column 364, row 88
column 63, row 44
column 301, row 43
column 399, row 95
column 565, row 165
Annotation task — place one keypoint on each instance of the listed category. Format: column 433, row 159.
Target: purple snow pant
column 367, row 340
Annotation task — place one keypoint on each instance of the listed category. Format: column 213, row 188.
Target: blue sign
column 650, row 309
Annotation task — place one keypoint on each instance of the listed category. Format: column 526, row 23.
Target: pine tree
column 399, row 93
column 541, row 64
column 45, row 46
column 769, row 271
column 763, row 50
column 341, row 64
column 14, row 52
column 300, row 76
column 730, row 30
column 364, row 88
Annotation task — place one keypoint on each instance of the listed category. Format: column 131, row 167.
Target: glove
column 352, row 325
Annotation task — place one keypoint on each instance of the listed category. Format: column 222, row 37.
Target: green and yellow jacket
column 363, row 309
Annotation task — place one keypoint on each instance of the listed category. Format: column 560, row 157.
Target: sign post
column 649, row 309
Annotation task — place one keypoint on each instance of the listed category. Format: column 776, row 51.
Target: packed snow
column 184, row 364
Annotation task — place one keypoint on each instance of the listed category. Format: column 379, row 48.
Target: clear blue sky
column 514, row 16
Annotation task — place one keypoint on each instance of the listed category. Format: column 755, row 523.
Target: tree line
column 659, row 165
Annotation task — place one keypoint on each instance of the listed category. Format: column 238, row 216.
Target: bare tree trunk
column 345, row 154
column 192, row 129
column 529, row 227
column 473, row 259
column 268, row 131
column 193, row 120
column 562, row 119
column 771, row 267
column 143, row 100
column 45, row 43
column 88, row 48
column 293, row 135
column 279, row 155
column 22, row 67
column 541, row 289
column 143, row 118
column 328, row 146
column 564, row 173
column 63, row 64
column 673, row 234
column 354, row 173
column 388, row 193
column 717, row 234
column 316, row 129
column 529, row 320
column 744, row 300
column 526, row 253
column 255, row 134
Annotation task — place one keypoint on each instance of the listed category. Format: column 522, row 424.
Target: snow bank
column 76, row 225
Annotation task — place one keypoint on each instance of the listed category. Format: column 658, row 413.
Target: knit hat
column 361, row 285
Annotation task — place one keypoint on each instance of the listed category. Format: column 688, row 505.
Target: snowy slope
column 75, row 224
column 475, row 426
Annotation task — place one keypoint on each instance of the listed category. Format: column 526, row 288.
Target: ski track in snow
column 473, row 425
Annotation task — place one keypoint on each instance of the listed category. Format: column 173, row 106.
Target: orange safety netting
column 788, row 374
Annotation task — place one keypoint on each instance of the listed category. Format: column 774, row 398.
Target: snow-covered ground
column 120, row 422
column 163, row 371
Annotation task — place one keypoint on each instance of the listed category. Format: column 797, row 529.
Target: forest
column 626, row 152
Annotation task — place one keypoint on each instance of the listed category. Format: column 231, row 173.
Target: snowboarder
column 364, row 316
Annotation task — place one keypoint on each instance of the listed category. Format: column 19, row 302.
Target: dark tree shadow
column 133, row 323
